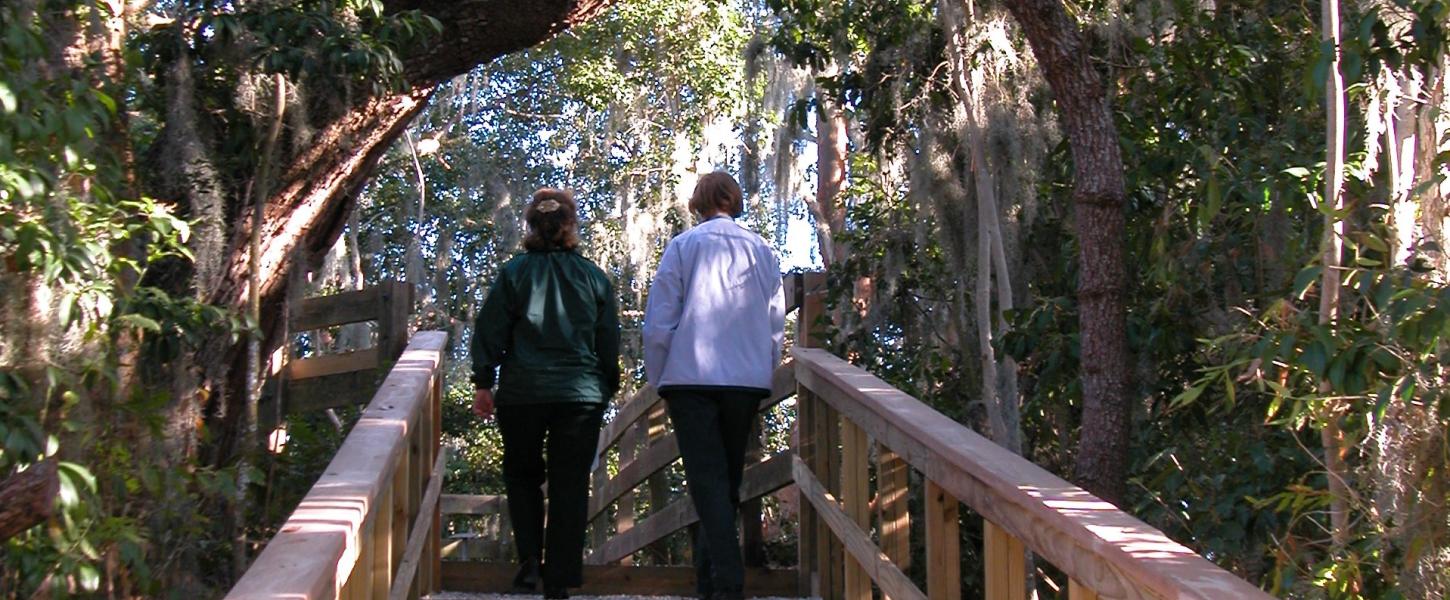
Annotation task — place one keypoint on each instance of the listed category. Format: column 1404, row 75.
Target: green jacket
column 551, row 322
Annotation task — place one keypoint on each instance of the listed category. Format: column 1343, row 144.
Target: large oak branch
column 309, row 204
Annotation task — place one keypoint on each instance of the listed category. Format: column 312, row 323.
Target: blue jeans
column 713, row 428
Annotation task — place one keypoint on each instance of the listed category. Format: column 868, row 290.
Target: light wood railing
column 369, row 527
column 844, row 411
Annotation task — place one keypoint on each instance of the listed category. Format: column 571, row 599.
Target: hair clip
column 547, row 206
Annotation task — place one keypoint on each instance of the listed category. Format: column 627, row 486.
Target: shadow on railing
column 369, row 526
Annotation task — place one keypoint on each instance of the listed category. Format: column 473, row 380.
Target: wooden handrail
column 354, row 523
column 1097, row 545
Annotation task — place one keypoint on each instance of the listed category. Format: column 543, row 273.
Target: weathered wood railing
column 844, row 410
column 369, row 527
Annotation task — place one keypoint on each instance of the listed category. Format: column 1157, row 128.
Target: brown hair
column 717, row 191
column 553, row 220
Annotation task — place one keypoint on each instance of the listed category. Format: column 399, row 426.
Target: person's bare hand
column 483, row 403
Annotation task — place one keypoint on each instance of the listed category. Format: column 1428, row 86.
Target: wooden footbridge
column 371, row 527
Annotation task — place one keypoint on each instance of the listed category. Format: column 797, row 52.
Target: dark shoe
column 527, row 581
column 728, row 595
column 555, row 593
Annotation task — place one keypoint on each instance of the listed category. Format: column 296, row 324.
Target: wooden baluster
column 855, row 489
column 362, row 572
column 624, row 512
column 417, row 478
column 380, row 545
column 400, row 494
column 1078, row 591
column 659, row 483
column 1006, row 567
column 891, row 507
column 806, row 548
column 943, row 544
column 435, row 540
column 752, row 528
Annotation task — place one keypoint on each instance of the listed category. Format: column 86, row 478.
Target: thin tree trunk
column 255, row 376
column 1330, row 436
column 831, row 138
column 414, row 253
column 1098, row 195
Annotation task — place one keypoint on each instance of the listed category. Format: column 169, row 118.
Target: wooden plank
column 464, row 504
column 855, row 486
column 892, row 495
column 629, row 412
column 943, row 544
column 1089, row 539
column 806, row 548
column 651, row 461
column 1078, row 591
column 614, row 580
column 658, row 486
column 332, row 364
column 318, row 546
column 760, row 479
column 321, row 393
column 337, row 309
column 1006, row 569
column 857, row 542
column 417, row 540
column 382, row 549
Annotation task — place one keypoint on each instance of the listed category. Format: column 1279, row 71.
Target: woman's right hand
column 483, row 403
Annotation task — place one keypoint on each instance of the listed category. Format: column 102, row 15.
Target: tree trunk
column 1330, row 435
column 27, row 498
column 1098, row 195
column 831, row 138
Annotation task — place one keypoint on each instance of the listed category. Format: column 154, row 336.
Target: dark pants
column 571, row 431
column 713, row 428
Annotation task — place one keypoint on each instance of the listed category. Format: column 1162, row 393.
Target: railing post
column 943, row 544
column 815, row 448
column 855, row 479
column 1006, row 563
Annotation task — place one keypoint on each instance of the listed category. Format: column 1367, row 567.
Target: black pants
column 713, row 428
column 570, row 430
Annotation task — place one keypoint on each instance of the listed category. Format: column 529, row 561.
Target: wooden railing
column 369, row 527
column 299, row 385
column 845, row 410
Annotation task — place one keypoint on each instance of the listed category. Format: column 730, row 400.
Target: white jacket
column 716, row 312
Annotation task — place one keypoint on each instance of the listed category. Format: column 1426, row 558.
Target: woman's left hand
column 483, row 403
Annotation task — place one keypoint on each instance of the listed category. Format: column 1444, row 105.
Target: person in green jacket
column 550, row 328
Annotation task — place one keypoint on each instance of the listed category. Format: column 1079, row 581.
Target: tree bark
column 831, row 138
column 1098, row 195
column 27, row 498
column 1330, row 437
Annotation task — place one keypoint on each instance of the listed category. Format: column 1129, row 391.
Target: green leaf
column 1315, row 358
column 1306, row 277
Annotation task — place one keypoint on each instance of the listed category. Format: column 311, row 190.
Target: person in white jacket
column 713, row 330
